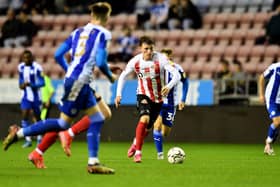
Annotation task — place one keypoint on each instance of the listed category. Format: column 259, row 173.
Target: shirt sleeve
column 121, row 81
column 171, row 69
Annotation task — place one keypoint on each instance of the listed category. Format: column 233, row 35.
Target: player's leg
column 36, row 156
column 144, row 109
column 104, row 108
column 69, row 110
column 26, row 112
column 40, row 127
column 157, row 136
column 165, row 121
column 36, row 108
column 66, row 137
column 96, row 120
column 272, row 135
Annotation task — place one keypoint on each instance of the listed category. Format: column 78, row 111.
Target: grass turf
column 216, row 165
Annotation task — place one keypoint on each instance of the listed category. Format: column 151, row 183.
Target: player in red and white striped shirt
column 149, row 67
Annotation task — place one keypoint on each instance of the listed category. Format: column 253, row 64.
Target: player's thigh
column 168, row 114
column 155, row 111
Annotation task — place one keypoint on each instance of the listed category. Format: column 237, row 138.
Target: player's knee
column 63, row 124
column 145, row 118
column 107, row 115
column 97, row 117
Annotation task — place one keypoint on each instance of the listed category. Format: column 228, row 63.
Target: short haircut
column 100, row 9
column 28, row 52
column 167, row 51
column 146, row 40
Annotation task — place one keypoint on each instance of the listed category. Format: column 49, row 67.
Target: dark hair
column 225, row 62
column 100, row 8
column 167, row 51
column 237, row 62
column 147, row 40
column 27, row 51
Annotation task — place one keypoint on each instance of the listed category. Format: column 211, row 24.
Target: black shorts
column 147, row 107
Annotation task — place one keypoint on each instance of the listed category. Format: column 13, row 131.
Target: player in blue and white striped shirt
column 165, row 120
column 271, row 96
column 88, row 46
column 30, row 82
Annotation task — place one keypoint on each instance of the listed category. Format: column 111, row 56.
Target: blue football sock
column 44, row 126
column 93, row 134
column 24, row 123
column 272, row 132
column 158, row 140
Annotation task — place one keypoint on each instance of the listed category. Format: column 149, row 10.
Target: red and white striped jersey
column 150, row 75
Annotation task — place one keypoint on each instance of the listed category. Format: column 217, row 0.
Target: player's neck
column 97, row 22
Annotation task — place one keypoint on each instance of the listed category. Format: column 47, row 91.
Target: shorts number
column 170, row 116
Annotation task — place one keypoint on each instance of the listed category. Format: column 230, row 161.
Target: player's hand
column 118, row 101
column 164, row 91
column 181, row 106
column 113, row 78
column 262, row 98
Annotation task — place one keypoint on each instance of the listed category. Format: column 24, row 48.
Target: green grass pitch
column 225, row 165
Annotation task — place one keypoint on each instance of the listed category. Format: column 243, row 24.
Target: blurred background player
column 88, row 46
column 165, row 120
column 270, row 95
column 47, row 93
column 149, row 67
column 30, row 82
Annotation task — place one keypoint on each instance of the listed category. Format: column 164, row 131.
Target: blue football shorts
column 77, row 97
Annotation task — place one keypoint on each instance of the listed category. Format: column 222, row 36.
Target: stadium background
column 229, row 30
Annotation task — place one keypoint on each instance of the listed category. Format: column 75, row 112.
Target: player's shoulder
column 106, row 32
column 160, row 57
column 37, row 65
column 21, row 65
column 274, row 65
column 136, row 58
column 178, row 67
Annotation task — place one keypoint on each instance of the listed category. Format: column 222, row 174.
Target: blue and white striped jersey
column 272, row 91
column 84, row 43
column 33, row 75
column 172, row 97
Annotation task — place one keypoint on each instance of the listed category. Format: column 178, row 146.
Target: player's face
column 27, row 58
column 147, row 51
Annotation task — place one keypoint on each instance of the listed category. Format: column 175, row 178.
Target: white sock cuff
column 20, row 133
column 93, row 160
column 39, row 151
column 71, row 133
column 269, row 140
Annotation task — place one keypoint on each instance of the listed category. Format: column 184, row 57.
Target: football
column 176, row 155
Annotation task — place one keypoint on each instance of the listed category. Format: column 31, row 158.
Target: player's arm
column 21, row 82
column 101, row 58
column 175, row 78
column 61, row 51
column 121, row 81
column 261, row 83
column 185, row 88
column 40, row 82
